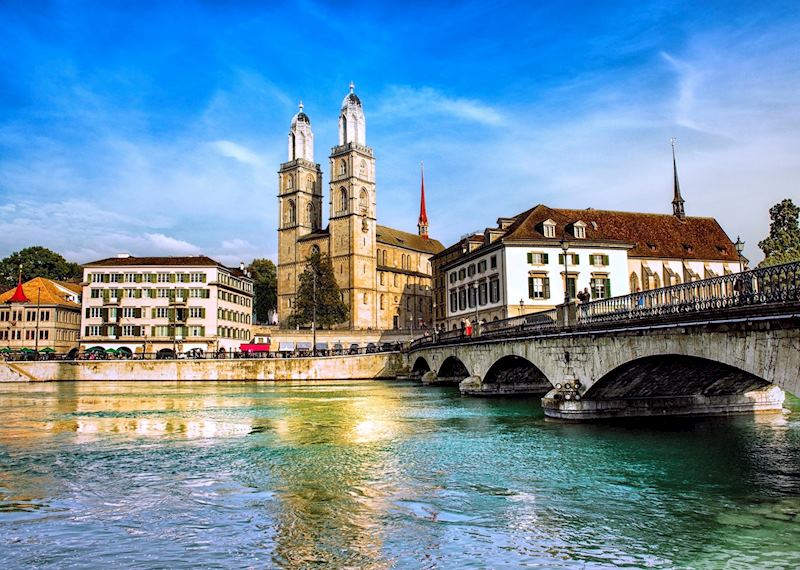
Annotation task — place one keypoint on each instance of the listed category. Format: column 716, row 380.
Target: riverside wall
column 359, row 367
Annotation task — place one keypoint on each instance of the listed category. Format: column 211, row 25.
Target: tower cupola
column 352, row 126
column 301, row 137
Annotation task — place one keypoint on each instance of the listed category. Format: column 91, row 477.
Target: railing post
column 567, row 314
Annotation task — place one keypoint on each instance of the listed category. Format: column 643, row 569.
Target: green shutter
column 577, row 259
column 605, row 260
column 561, row 259
column 546, row 287
column 137, row 278
column 153, row 311
column 106, row 278
column 545, row 258
column 608, row 288
column 530, row 257
column 530, row 287
column 87, row 312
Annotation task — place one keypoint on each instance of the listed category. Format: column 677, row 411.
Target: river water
column 380, row 475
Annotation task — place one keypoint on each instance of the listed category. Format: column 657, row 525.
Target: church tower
column 352, row 214
column 300, row 208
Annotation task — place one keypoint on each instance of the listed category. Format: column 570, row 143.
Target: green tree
column 265, row 288
column 782, row 245
column 37, row 261
column 330, row 307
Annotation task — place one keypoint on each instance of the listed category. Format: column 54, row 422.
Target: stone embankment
column 358, row 367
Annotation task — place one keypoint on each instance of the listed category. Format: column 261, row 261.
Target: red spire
column 422, row 224
column 19, row 294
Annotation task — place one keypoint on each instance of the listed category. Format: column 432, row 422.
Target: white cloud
column 426, row 102
column 170, row 245
column 238, row 152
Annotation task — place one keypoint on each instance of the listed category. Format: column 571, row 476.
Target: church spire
column 422, row 224
column 677, row 200
column 19, row 294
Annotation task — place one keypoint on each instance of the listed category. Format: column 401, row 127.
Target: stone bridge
column 734, row 358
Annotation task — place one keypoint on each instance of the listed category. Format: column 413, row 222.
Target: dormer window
column 549, row 228
column 579, row 230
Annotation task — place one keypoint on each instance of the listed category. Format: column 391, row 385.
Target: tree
column 782, row 245
column 330, row 307
column 265, row 288
column 37, row 261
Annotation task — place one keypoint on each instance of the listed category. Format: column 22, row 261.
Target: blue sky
column 156, row 128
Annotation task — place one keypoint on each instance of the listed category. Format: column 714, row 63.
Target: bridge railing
column 775, row 284
column 525, row 324
column 778, row 283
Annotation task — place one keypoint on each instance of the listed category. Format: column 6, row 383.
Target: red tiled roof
column 46, row 292
column 651, row 235
column 399, row 238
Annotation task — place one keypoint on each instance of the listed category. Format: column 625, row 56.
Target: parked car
column 353, row 348
column 371, row 348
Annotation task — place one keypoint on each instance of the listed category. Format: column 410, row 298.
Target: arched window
column 362, row 169
column 395, row 279
column 362, row 200
column 309, row 214
column 381, row 305
column 310, row 183
column 289, row 181
column 291, row 212
column 634, row 282
column 381, row 277
column 342, row 200
column 342, row 167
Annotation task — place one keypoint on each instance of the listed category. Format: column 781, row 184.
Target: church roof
column 47, row 291
column 398, row 238
column 651, row 235
column 351, row 98
column 316, row 234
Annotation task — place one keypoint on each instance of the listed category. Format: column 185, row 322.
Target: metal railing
column 775, row 284
column 768, row 285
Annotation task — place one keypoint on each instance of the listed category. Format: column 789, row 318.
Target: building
column 384, row 274
column 520, row 266
column 169, row 304
column 41, row 314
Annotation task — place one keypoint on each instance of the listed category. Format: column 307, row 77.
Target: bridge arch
column 453, row 367
column 420, row 367
column 666, row 375
column 517, row 374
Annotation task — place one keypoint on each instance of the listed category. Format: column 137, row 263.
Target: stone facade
column 165, row 303
column 384, row 274
column 46, row 316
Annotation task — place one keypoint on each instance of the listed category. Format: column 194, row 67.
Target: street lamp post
column 475, row 288
column 521, row 306
column 314, row 316
column 739, row 245
column 565, row 249
column 36, row 333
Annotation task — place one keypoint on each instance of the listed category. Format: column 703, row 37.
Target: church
column 384, row 274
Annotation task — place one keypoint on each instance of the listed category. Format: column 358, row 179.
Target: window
column 482, row 266
column 163, row 293
column 493, row 262
column 96, row 278
column 363, row 200
column 44, row 316
column 453, row 301
column 598, row 259
column 3, row 315
column 600, row 287
column 289, row 181
column 197, row 312
column 634, row 282
column 366, row 298
column 494, row 290
column 342, row 199
column 549, row 228
column 115, row 278
column 381, row 302
column 462, row 299
column 482, row 293
column 291, row 212
column 395, row 279
column 573, row 259
column 362, row 169
column 342, row 167
column 471, row 297
column 130, row 277
column 462, row 273
column 160, row 312
column 130, row 330
column 538, row 258
column 453, row 277
column 571, row 286
column 96, row 293
column 93, row 330
column 471, row 270
column 538, row 287
column 131, row 313
column 197, row 278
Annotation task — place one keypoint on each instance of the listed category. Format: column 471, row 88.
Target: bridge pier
column 430, row 378
column 564, row 405
column 475, row 386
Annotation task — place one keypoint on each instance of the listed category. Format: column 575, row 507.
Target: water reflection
column 373, row 475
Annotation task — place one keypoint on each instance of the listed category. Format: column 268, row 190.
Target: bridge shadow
column 515, row 374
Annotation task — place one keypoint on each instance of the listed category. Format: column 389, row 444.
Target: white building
column 520, row 267
column 154, row 304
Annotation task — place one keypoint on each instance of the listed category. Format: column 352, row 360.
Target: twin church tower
column 384, row 274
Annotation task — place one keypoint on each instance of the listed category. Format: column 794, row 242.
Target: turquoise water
column 380, row 475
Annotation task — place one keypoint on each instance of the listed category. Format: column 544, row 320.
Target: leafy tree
column 782, row 245
column 265, row 288
column 37, row 261
column 330, row 307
